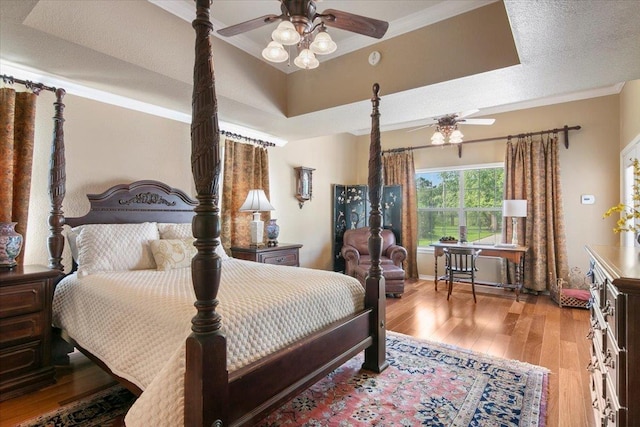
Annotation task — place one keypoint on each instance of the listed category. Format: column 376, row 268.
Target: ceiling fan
column 447, row 126
column 300, row 20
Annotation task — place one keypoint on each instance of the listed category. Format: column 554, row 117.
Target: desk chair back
column 460, row 263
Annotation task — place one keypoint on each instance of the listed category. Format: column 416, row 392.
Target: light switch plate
column 587, row 199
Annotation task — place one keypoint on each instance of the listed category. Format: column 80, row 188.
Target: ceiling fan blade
column 464, row 114
column 355, row 23
column 422, row 127
column 248, row 25
column 477, row 121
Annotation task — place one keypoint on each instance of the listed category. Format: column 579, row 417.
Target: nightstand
column 283, row 254
column 25, row 329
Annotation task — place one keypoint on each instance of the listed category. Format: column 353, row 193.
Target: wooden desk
column 514, row 254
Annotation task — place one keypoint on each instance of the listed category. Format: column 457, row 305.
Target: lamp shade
column 514, row 208
column 437, row 138
column 306, row 60
column 323, row 44
column 286, row 34
column 274, row 52
column 256, row 201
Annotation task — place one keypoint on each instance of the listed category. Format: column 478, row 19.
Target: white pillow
column 221, row 252
column 184, row 231
column 175, row 231
column 72, row 237
column 173, row 253
column 115, row 247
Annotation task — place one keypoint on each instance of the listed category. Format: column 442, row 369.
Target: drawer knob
column 609, row 361
column 280, row 260
column 608, row 309
column 591, row 334
column 608, row 412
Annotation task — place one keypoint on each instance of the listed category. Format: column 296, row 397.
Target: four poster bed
column 224, row 373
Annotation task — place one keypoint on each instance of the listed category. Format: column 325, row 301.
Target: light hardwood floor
column 534, row 330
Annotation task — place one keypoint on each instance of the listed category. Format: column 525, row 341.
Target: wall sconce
column 303, row 184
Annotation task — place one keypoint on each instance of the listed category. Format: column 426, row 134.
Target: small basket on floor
column 574, row 296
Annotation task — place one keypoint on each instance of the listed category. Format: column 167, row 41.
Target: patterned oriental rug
column 426, row 383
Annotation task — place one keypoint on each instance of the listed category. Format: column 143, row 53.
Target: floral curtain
column 399, row 170
column 17, row 117
column 246, row 167
column 533, row 173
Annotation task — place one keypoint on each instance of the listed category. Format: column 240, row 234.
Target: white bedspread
column 137, row 321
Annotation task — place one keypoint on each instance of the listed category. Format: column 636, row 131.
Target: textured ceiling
column 135, row 49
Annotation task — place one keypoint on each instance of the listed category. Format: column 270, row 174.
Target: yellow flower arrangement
column 629, row 213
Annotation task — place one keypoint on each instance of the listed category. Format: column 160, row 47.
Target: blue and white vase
column 10, row 244
column 273, row 231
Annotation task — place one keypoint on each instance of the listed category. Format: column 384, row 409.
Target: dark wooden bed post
column 206, row 377
column 375, row 355
column 57, row 185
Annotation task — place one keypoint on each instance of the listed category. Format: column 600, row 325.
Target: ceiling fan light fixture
column 456, row 136
column 323, row 44
column 286, row 34
column 437, row 138
column 306, row 60
column 275, row 52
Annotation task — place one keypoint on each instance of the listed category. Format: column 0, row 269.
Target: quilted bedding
column 137, row 321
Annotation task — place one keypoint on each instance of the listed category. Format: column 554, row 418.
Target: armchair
column 355, row 251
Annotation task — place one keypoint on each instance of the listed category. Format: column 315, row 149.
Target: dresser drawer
column 19, row 360
column 280, row 258
column 17, row 329
column 612, row 310
column 597, row 400
column 21, row 299
column 613, row 413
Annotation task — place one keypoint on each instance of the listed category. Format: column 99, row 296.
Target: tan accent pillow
column 183, row 231
column 173, row 253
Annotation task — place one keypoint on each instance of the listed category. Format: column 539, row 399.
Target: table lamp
column 256, row 202
column 514, row 209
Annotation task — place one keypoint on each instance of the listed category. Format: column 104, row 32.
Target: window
column 471, row 196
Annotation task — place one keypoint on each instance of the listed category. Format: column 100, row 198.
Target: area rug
column 427, row 383
column 99, row 410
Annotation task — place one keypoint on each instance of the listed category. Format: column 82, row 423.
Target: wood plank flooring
column 534, row 330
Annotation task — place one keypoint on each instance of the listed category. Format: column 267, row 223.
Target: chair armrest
column 350, row 253
column 352, row 258
column 397, row 254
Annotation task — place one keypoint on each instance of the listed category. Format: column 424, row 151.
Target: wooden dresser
column 283, row 254
column 25, row 329
column 615, row 335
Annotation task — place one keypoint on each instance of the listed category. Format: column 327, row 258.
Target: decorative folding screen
column 351, row 209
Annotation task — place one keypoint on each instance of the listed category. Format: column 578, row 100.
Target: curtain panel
column 400, row 170
column 246, row 167
column 17, row 117
column 533, row 173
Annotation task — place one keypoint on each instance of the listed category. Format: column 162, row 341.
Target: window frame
column 461, row 210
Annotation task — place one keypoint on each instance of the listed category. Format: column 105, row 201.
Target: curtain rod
column 565, row 129
column 33, row 86
column 260, row 142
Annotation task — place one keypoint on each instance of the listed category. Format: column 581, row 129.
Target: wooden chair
column 460, row 263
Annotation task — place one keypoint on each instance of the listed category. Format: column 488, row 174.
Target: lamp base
column 257, row 230
column 514, row 229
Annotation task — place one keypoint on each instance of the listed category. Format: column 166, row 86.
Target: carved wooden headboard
column 140, row 201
